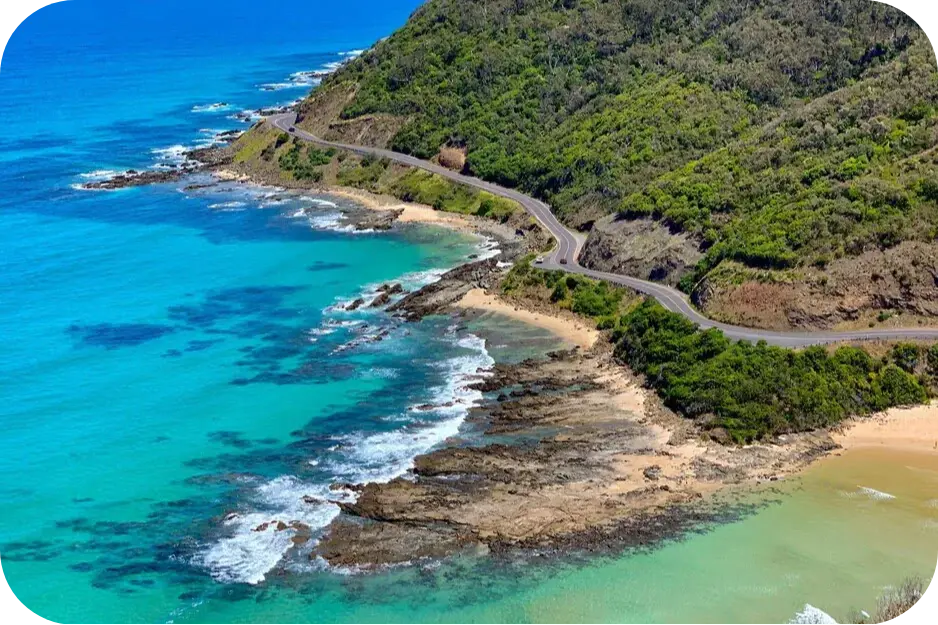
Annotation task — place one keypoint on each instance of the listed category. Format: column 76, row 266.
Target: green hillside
column 778, row 134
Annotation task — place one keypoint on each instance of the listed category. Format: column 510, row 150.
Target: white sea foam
column 351, row 54
column 319, row 202
column 247, row 115
column 329, row 221
column 306, row 79
column 227, row 206
column 246, row 555
column 384, row 456
column 211, row 108
column 173, row 153
column 297, row 80
column 811, row 615
column 100, row 174
column 409, row 281
column 81, row 187
column 419, row 279
column 488, row 248
column 872, row 493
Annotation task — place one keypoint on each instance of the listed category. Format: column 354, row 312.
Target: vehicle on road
column 291, row 129
column 539, row 260
column 563, row 261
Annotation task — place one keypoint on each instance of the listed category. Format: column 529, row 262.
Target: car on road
column 539, row 260
column 563, row 261
column 291, row 129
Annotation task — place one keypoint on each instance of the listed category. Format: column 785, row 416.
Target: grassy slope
column 778, row 133
column 285, row 160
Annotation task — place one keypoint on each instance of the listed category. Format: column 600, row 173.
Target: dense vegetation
column 749, row 391
column 778, row 132
column 754, row 390
column 414, row 185
column 306, row 163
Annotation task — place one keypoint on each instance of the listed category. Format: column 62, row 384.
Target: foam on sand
column 877, row 495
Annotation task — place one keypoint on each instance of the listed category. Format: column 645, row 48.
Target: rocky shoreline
column 567, row 453
column 193, row 162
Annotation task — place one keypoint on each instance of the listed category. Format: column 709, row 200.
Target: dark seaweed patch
column 118, row 335
column 322, row 265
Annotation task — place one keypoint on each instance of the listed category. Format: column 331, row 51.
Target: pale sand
column 413, row 213
column 906, row 429
column 567, row 329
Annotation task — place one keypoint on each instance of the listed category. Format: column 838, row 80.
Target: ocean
column 178, row 369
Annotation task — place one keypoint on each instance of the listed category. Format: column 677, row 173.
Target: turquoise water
column 177, row 369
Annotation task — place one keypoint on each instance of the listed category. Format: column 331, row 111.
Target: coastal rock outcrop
column 584, row 459
column 642, row 247
column 385, row 292
column 133, row 178
column 449, row 289
column 897, row 286
column 366, row 219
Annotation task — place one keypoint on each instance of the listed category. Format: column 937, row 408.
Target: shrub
column 755, row 390
column 893, row 603
column 933, row 360
column 906, row 356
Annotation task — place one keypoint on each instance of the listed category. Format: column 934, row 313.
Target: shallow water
column 174, row 357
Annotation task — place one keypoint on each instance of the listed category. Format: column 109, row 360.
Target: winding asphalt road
column 564, row 256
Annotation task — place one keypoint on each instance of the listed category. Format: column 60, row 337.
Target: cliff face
column 779, row 135
column 640, row 247
column 893, row 287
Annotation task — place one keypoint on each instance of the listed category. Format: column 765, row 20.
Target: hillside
column 765, row 155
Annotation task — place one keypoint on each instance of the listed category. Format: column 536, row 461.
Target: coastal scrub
column 739, row 391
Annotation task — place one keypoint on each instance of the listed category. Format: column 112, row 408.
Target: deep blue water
column 176, row 370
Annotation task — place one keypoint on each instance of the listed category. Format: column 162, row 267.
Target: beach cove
column 187, row 368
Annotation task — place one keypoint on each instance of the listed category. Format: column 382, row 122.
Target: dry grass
column 894, row 602
column 453, row 158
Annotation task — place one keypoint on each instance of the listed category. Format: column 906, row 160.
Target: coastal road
column 564, row 256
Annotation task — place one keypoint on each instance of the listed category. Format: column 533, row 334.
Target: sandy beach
column 413, row 213
column 573, row 331
column 900, row 429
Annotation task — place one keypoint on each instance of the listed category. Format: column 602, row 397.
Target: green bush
column 933, row 360
column 320, row 157
column 291, row 161
column 755, row 390
column 906, row 356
